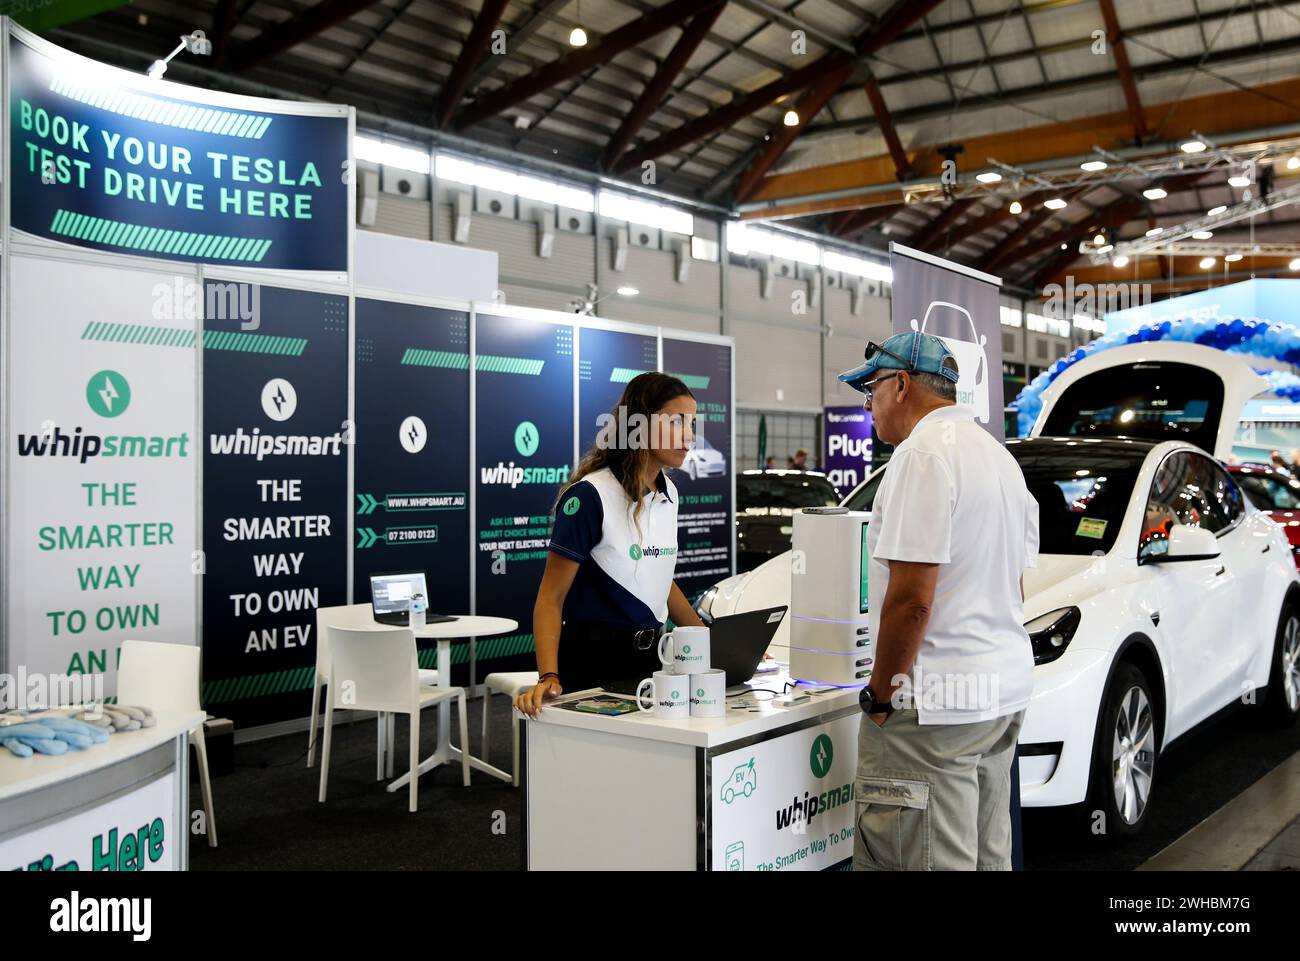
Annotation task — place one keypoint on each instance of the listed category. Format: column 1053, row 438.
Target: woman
column 608, row 584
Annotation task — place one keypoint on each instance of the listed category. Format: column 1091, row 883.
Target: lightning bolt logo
column 279, row 398
column 108, row 393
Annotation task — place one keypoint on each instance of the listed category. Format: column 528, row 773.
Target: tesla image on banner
column 523, row 413
column 846, row 451
column 607, row 360
column 274, row 495
column 412, row 449
column 101, row 467
column 960, row 306
column 705, row 509
column 113, row 160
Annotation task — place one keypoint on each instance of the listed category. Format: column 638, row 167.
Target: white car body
column 1206, row 629
column 703, row 460
column 972, row 361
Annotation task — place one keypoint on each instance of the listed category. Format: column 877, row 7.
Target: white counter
column 732, row 793
column 121, row 805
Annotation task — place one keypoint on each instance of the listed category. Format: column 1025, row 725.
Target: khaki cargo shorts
column 934, row 797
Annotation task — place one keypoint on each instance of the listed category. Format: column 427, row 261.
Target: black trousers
column 599, row 655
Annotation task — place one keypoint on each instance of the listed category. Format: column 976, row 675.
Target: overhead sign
column 111, row 160
column 960, row 306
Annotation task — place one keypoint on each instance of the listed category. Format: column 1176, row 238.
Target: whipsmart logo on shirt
column 636, row 552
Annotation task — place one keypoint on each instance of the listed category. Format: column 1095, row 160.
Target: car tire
column 1282, row 698
column 1124, row 755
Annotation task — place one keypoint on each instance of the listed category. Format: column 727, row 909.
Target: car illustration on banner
column 1162, row 594
column 741, row 781
column 703, row 460
column 972, row 361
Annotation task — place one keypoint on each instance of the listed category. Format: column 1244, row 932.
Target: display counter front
column 118, row 806
column 764, row 788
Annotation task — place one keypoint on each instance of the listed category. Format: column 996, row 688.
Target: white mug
column 690, row 649
column 666, row 653
column 670, row 695
column 709, row 693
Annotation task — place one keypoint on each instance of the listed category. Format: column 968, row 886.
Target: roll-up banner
column 101, row 468
column 959, row 305
column 846, row 446
column 111, row 160
column 275, row 496
column 706, row 507
column 412, row 449
column 524, row 441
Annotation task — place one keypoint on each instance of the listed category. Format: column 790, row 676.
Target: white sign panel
column 102, row 459
column 135, row 832
column 786, row 804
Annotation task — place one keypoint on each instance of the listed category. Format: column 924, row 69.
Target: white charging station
column 829, row 639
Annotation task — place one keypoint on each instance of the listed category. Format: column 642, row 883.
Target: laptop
column 390, row 598
column 737, row 643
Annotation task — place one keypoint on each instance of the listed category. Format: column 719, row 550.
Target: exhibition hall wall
column 210, row 429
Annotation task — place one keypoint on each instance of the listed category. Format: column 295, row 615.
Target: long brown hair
column 645, row 394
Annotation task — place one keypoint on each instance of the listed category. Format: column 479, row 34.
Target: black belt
column 642, row 640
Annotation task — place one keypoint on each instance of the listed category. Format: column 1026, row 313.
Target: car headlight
column 704, row 606
column 1050, row 633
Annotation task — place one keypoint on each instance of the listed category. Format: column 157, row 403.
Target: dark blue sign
column 607, row 360
column 103, row 159
column 412, row 449
column 274, row 500
column 524, row 452
column 706, row 508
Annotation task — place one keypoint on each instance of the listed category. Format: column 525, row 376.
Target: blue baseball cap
column 911, row 351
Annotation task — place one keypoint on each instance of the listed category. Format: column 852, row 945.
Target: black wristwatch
column 870, row 704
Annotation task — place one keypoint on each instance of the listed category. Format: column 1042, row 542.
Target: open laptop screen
column 391, row 593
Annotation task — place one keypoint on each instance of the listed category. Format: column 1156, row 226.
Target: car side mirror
column 1187, row 543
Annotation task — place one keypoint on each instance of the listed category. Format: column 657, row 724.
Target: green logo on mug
column 634, row 552
column 686, row 648
column 676, row 695
column 700, row 692
column 571, row 506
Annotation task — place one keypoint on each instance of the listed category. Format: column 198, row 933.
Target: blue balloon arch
column 1261, row 338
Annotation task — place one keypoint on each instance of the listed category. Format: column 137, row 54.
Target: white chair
column 165, row 677
column 376, row 670
column 511, row 684
column 357, row 616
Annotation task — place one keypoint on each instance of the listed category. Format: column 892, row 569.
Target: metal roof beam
column 276, row 40
column 480, row 35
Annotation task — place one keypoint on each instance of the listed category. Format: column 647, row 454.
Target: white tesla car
column 703, row 460
column 1161, row 596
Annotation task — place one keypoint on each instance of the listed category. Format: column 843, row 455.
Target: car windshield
column 1149, row 399
column 1082, row 489
column 757, row 493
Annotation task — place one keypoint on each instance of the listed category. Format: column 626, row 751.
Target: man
column 952, row 529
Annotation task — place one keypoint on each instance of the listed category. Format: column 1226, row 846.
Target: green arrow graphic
column 366, row 538
column 368, row 504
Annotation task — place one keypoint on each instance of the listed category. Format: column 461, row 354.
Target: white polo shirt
column 955, row 497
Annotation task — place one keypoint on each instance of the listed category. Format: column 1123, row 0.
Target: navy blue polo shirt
column 623, row 577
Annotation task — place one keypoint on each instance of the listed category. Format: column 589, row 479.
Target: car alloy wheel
column 1291, row 662
column 1133, row 754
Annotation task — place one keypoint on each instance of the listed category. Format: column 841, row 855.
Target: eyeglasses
column 869, row 389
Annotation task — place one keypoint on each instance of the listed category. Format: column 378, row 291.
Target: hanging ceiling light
column 1232, row 258
column 1215, row 211
column 577, row 37
column 1016, row 207
column 1099, row 239
column 1193, row 146
column 1155, row 230
column 1155, row 193
column 1207, row 263
column 1092, row 166
column 1120, row 261
column 1294, row 265
column 1239, row 179
column 1293, row 163
column 791, row 118
column 1056, row 203
column 988, row 177
column 1202, row 234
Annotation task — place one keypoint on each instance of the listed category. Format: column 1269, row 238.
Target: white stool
column 511, row 684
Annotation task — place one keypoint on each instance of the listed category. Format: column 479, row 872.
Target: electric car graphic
column 1161, row 595
column 703, row 460
column 742, row 781
column 972, row 361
